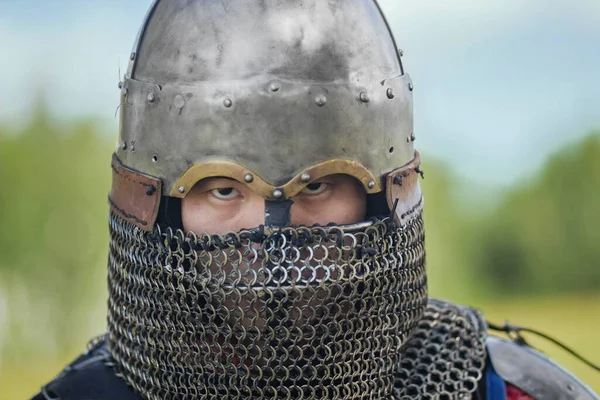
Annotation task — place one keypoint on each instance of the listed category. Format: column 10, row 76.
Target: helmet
column 274, row 94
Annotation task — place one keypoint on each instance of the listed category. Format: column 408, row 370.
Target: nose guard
column 278, row 212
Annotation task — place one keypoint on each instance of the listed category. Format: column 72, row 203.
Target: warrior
column 266, row 223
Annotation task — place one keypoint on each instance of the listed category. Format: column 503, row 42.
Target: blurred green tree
column 544, row 236
column 53, row 234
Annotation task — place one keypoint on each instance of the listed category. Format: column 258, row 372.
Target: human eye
column 225, row 193
column 315, row 188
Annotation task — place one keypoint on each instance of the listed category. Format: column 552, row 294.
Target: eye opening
column 314, row 188
column 391, row 149
column 225, row 193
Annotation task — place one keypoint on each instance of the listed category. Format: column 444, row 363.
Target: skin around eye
column 340, row 199
column 220, row 205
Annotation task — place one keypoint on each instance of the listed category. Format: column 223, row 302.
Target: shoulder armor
column 89, row 377
column 445, row 353
column 534, row 373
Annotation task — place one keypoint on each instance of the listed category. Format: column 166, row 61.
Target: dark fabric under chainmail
column 317, row 312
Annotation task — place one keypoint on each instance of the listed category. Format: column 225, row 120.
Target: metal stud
column 371, row 184
column 132, row 56
column 390, row 93
column 248, row 178
column 364, row 97
column 305, row 177
column 277, row 193
column 400, row 52
column 151, row 97
column 321, row 100
column 411, row 86
column 274, row 86
column 413, row 137
column 124, row 145
column 178, row 101
column 120, row 85
column 227, row 103
column 181, row 189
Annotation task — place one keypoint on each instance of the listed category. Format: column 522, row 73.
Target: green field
column 571, row 320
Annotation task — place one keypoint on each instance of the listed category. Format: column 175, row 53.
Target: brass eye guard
column 294, row 186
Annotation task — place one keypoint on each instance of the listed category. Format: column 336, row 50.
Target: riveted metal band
column 261, row 187
column 186, row 129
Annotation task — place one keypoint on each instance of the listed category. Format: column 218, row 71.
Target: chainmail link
column 444, row 356
column 301, row 313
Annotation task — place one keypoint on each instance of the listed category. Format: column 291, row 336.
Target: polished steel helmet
column 273, row 93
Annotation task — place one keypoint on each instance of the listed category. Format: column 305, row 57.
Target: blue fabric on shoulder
column 495, row 386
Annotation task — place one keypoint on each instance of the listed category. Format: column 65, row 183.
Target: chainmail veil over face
column 318, row 312
column 275, row 94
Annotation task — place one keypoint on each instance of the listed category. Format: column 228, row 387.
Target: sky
column 499, row 84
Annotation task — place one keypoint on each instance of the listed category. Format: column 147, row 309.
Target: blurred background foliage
column 529, row 253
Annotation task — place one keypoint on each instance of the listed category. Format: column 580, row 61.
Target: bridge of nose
column 278, row 212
